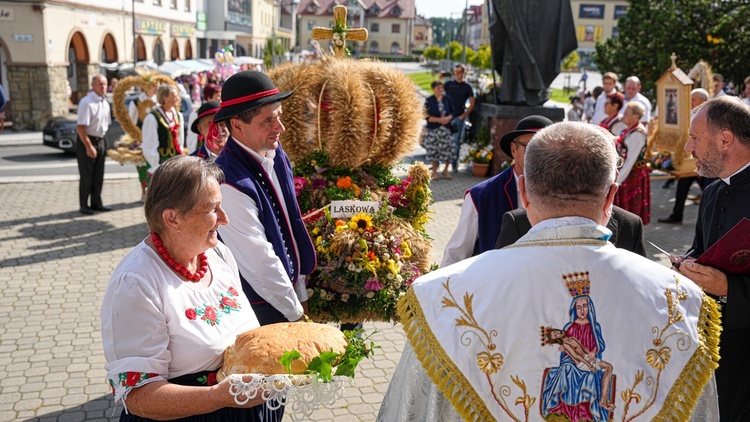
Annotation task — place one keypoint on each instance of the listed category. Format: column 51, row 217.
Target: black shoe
column 670, row 220
column 86, row 211
column 101, row 208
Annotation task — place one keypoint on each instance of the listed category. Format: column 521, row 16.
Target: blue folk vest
column 493, row 198
column 244, row 173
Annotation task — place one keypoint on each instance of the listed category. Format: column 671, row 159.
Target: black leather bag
column 453, row 126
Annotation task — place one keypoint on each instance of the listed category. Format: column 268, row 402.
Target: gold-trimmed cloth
column 475, row 328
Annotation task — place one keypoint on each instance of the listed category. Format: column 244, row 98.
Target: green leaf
column 287, row 358
column 323, row 368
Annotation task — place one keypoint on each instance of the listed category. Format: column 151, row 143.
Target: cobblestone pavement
column 54, row 266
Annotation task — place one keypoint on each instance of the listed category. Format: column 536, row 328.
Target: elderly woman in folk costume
column 174, row 304
column 214, row 135
column 634, row 193
column 163, row 130
column 138, row 109
column 613, row 120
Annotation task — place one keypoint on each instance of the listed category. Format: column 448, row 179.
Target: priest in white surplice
column 561, row 325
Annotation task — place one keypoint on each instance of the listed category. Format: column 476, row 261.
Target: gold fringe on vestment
column 439, row 367
column 685, row 393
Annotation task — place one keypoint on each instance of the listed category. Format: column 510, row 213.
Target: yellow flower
column 356, row 190
column 361, row 221
column 489, row 364
column 405, row 250
column 318, row 240
column 316, row 231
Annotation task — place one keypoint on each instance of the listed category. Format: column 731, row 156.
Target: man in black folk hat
column 265, row 231
column 485, row 203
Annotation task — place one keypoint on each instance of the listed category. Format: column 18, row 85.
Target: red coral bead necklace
column 193, row 277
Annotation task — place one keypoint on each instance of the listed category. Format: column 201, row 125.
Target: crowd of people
column 228, row 251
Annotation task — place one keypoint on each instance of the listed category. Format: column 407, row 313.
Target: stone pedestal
column 502, row 119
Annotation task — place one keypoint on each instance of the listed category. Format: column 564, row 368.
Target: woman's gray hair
column 569, row 163
column 177, row 184
column 164, row 90
column 637, row 108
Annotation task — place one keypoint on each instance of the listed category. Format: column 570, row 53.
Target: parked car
column 60, row 132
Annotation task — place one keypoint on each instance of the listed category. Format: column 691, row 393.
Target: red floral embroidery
column 212, row 378
column 132, row 379
column 228, row 301
column 209, row 315
column 212, row 314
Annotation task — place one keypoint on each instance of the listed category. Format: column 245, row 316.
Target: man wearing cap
column 265, row 231
column 481, row 215
column 212, row 136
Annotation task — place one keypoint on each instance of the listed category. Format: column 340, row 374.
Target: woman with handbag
column 438, row 135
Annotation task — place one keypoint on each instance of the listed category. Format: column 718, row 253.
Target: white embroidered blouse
column 157, row 327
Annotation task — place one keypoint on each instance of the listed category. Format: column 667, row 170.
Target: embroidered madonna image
column 582, row 386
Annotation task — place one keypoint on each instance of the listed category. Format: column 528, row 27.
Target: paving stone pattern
column 55, row 264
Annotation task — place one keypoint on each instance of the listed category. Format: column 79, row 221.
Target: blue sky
column 442, row 8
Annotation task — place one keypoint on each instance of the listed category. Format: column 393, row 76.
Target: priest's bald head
column 570, row 170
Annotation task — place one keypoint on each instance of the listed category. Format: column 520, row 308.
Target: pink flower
column 233, row 291
column 397, row 196
column 374, row 285
column 299, row 185
column 191, row 314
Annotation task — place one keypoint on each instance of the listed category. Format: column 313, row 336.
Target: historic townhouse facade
column 390, row 24
column 44, row 45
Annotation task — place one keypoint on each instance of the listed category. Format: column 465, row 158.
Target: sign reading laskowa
column 346, row 209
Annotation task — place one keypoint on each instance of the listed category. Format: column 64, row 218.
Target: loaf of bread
column 258, row 351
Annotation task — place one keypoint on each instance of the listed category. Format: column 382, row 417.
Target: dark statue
column 529, row 40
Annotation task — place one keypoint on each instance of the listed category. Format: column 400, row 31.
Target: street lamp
column 467, row 12
column 450, row 38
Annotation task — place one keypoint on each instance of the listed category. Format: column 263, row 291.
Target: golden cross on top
column 339, row 34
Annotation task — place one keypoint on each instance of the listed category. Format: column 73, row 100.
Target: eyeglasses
column 620, row 162
column 521, row 143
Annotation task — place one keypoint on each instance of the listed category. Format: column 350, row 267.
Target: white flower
column 310, row 292
column 379, row 238
column 351, row 267
column 344, row 297
column 386, row 256
column 336, row 36
column 370, row 295
column 399, row 278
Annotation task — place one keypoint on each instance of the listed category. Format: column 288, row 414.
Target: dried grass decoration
column 128, row 147
column 347, row 124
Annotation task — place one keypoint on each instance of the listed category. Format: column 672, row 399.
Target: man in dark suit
column 626, row 228
column 720, row 143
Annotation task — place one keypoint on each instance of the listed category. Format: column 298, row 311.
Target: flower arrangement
column 662, row 161
column 481, row 156
column 366, row 262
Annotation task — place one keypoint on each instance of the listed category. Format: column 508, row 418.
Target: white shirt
column 256, row 258
column 150, row 137
column 461, row 244
column 191, row 143
column 153, row 322
column 646, row 104
column 93, row 112
column 720, row 94
column 635, row 142
column 599, row 113
column 133, row 109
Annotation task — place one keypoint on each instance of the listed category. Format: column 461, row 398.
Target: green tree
column 483, row 57
column 652, row 30
column 456, row 50
column 570, row 62
column 434, row 52
column 280, row 50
